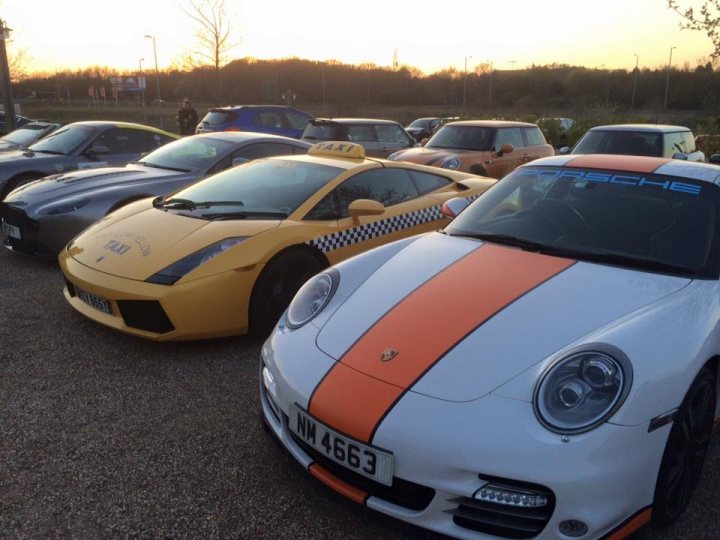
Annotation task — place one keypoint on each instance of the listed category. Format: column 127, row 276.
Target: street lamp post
column 5, row 74
column 465, row 83
column 157, row 76
column 635, row 72
column 667, row 81
column 142, row 88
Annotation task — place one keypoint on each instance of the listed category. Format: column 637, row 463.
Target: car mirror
column 239, row 161
column 365, row 207
column 505, row 149
column 564, row 150
column 452, row 207
column 680, row 155
column 715, row 158
column 98, row 150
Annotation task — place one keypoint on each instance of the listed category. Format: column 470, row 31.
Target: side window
column 508, row 136
column 268, row 119
column 361, row 134
column 326, row 209
column 390, row 133
column 388, row 186
column 155, row 140
column 689, row 141
column 676, row 142
column 533, row 136
column 297, row 121
column 123, row 141
column 427, row 182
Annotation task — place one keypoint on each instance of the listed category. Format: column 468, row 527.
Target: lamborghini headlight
column 63, row 207
column 582, row 390
column 451, row 163
column 312, row 298
column 172, row 273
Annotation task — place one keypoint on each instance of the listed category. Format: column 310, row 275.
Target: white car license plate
column 93, row 300
column 11, row 230
column 361, row 458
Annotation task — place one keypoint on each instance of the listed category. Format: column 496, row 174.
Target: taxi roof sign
column 338, row 149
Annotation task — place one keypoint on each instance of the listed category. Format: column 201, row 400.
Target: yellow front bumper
column 215, row 306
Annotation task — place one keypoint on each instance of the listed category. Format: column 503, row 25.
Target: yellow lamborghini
column 227, row 254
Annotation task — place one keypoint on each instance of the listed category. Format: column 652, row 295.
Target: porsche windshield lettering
column 624, row 179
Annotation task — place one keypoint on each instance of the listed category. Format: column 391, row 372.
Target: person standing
column 187, row 118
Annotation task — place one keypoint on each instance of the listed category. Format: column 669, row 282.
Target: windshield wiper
column 184, row 204
column 219, row 216
column 155, row 166
column 506, row 239
column 52, row 152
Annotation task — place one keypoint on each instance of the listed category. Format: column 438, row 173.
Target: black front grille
column 70, row 287
column 504, row 520
column 17, row 217
column 145, row 315
column 402, row 492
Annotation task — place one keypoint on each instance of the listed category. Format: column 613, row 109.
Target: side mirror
column 98, row 150
column 365, row 207
column 506, row 149
column 564, row 150
column 680, row 155
column 715, row 158
column 452, row 207
column 239, row 161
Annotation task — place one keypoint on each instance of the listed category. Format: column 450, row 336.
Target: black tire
column 277, row 284
column 685, row 450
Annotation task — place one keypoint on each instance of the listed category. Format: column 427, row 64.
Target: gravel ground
column 103, row 435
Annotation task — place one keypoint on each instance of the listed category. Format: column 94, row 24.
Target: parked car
column 273, row 119
column 42, row 217
column 484, row 147
column 379, row 137
column 655, row 140
column 81, row 145
column 556, row 130
column 19, row 122
column 228, row 253
column 424, row 128
column 546, row 366
column 26, row 135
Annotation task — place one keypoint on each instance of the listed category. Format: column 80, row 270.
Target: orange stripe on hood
column 637, row 164
column 359, row 391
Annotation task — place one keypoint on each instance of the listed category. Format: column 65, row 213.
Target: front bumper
column 605, row 478
column 211, row 307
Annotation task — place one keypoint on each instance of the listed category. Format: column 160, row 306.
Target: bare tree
column 707, row 20
column 213, row 37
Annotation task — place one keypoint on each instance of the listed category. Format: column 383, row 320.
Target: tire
column 685, row 450
column 276, row 286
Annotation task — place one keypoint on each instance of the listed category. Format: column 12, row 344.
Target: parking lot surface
column 106, row 435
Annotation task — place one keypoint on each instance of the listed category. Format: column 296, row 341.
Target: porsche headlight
column 312, row 298
column 172, row 273
column 452, row 163
column 582, row 390
column 63, row 207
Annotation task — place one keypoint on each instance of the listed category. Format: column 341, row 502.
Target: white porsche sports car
column 544, row 367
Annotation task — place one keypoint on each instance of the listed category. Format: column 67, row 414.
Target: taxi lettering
column 117, row 247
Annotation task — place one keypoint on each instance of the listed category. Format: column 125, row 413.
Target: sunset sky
column 73, row 34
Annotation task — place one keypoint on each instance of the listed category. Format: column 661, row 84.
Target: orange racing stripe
column 333, row 482
column 631, row 526
column 618, row 163
column 359, row 391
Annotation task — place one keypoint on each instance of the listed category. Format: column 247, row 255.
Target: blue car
column 274, row 119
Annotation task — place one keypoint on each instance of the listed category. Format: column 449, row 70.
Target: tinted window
column 297, row 121
column 188, row 153
column 533, row 136
column 388, row 186
column 216, row 118
column 463, row 138
column 426, row 182
column 633, row 143
column 360, row 134
column 391, row 133
column 267, row 149
column 123, row 141
column 323, row 132
column 268, row 119
column 509, row 136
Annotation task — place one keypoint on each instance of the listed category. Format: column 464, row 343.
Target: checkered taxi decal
column 361, row 233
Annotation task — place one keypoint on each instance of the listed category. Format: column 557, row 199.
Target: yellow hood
column 139, row 245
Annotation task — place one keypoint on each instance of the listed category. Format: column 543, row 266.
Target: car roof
column 634, row 164
column 353, row 121
column 238, row 107
column 109, row 123
column 490, row 123
column 243, row 136
column 649, row 128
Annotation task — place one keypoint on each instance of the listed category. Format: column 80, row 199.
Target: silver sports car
column 41, row 217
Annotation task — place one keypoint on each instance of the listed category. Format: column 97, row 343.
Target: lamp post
column 465, row 82
column 142, row 88
column 157, row 76
column 667, row 81
column 5, row 74
column 635, row 72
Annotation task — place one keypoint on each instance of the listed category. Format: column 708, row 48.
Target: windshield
column 322, row 132
column 270, row 186
column 217, row 118
column 64, row 140
column 648, row 222
column 463, row 138
column 188, row 154
column 421, row 123
column 632, row 143
column 24, row 135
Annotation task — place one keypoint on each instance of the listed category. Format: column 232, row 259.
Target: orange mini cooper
column 485, row 147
